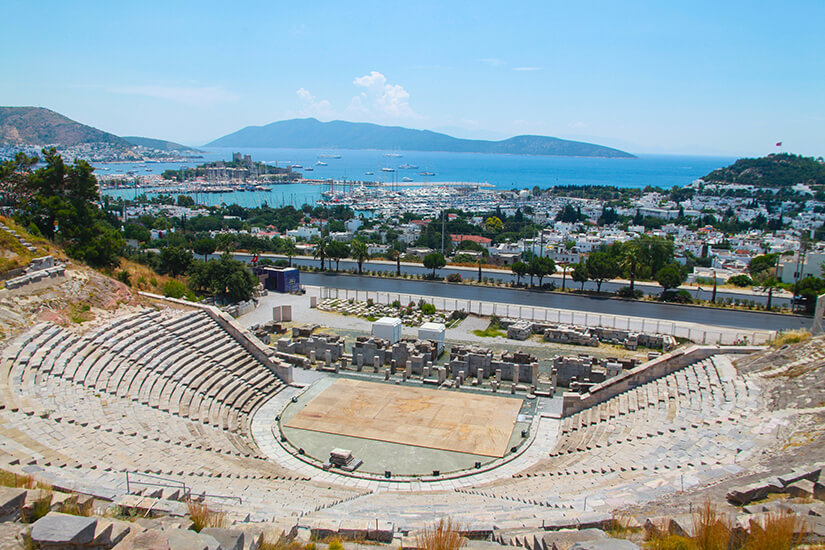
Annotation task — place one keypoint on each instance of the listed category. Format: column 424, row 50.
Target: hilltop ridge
column 41, row 126
column 310, row 133
column 777, row 170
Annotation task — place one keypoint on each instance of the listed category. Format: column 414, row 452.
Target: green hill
column 40, row 126
column 159, row 144
column 780, row 170
column 309, row 133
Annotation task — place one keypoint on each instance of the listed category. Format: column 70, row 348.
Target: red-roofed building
column 483, row 241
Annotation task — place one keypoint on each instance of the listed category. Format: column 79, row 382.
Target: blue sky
column 649, row 77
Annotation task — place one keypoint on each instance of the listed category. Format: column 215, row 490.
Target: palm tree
column 360, row 252
column 289, row 249
column 630, row 252
column 396, row 255
column 321, row 244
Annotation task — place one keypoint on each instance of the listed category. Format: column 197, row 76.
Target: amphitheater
column 185, row 401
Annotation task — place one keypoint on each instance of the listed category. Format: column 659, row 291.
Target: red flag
column 779, row 144
column 255, row 259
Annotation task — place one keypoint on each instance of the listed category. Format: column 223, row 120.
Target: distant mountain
column 39, row 126
column 780, row 170
column 159, row 144
column 309, row 133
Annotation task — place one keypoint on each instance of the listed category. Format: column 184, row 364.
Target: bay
column 501, row 171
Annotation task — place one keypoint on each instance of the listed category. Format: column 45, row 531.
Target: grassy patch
column 80, row 313
column 492, row 331
column 791, row 337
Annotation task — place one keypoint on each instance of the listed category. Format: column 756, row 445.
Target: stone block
column 181, row 539
column 151, row 539
column 606, row 544
column 56, row 530
column 229, row 539
column 11, row 500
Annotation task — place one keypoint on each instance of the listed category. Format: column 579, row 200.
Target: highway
column 650, row 289
column 740, row 319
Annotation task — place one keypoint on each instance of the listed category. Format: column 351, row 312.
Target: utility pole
column 443, row 225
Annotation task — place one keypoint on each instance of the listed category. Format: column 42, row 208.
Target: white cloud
column 196, row 96
column 526, row 68
column 313, row 107
column 380, row 99
column 493, row 61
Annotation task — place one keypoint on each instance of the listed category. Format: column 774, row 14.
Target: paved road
column 751, row 320
column 647, row 288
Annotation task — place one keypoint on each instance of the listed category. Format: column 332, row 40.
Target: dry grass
column 620, row 526
column 203, row 517
column 777, row 531
column 791, row 337
column 443, row 535
column 714, row 531
column 711, row 530
column 141, row 277
column 10, row 479
column 41, row 507
column 74, row 508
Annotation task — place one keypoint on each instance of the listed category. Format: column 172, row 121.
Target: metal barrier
column 699, row 334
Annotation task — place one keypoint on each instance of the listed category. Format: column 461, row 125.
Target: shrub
column 454, row 278
column 174, row 289
column 740, row 280
column 427, row 309
column 625, row 292
column 123, row 276
column 396, row 304
column 678, row 297
column 335, row 544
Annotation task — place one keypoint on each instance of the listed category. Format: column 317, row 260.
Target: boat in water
column 369, row 173
column 393, row 155
column 319, row 163
column 328, row 156
column 388, row 169
column 309, row 169
column 408, row 167
column 405, row 178
column 426, row 173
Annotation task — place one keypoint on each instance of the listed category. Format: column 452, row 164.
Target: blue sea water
column 502, row 171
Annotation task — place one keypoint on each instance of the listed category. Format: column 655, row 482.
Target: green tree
column 185, row 200
column 226, row 278
column 174, row 260
column 493, row 224
column 321, row 244
column 204, row 247
column 225, row 242
column 360, row 252
column 289, row 249
column 62, row 201
column 520, row 269
column 579, row 273
column 670, row 276
column 542, row 267
column 395, row 255
column 765, row 281
column 629, row 256
column 601, row 267
column 760, row 264
column 434, row 261
column 337, row 250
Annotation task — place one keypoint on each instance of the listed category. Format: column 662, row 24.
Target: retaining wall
column 246, row 339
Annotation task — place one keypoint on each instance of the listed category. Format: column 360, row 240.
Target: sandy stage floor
column 454, row 421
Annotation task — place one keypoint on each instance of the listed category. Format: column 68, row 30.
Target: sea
column 503, row 172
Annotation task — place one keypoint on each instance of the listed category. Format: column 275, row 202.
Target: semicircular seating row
column 156, row 392
column 695, row 423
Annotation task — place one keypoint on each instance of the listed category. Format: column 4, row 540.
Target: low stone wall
column 657, row 368
column 246, row 339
